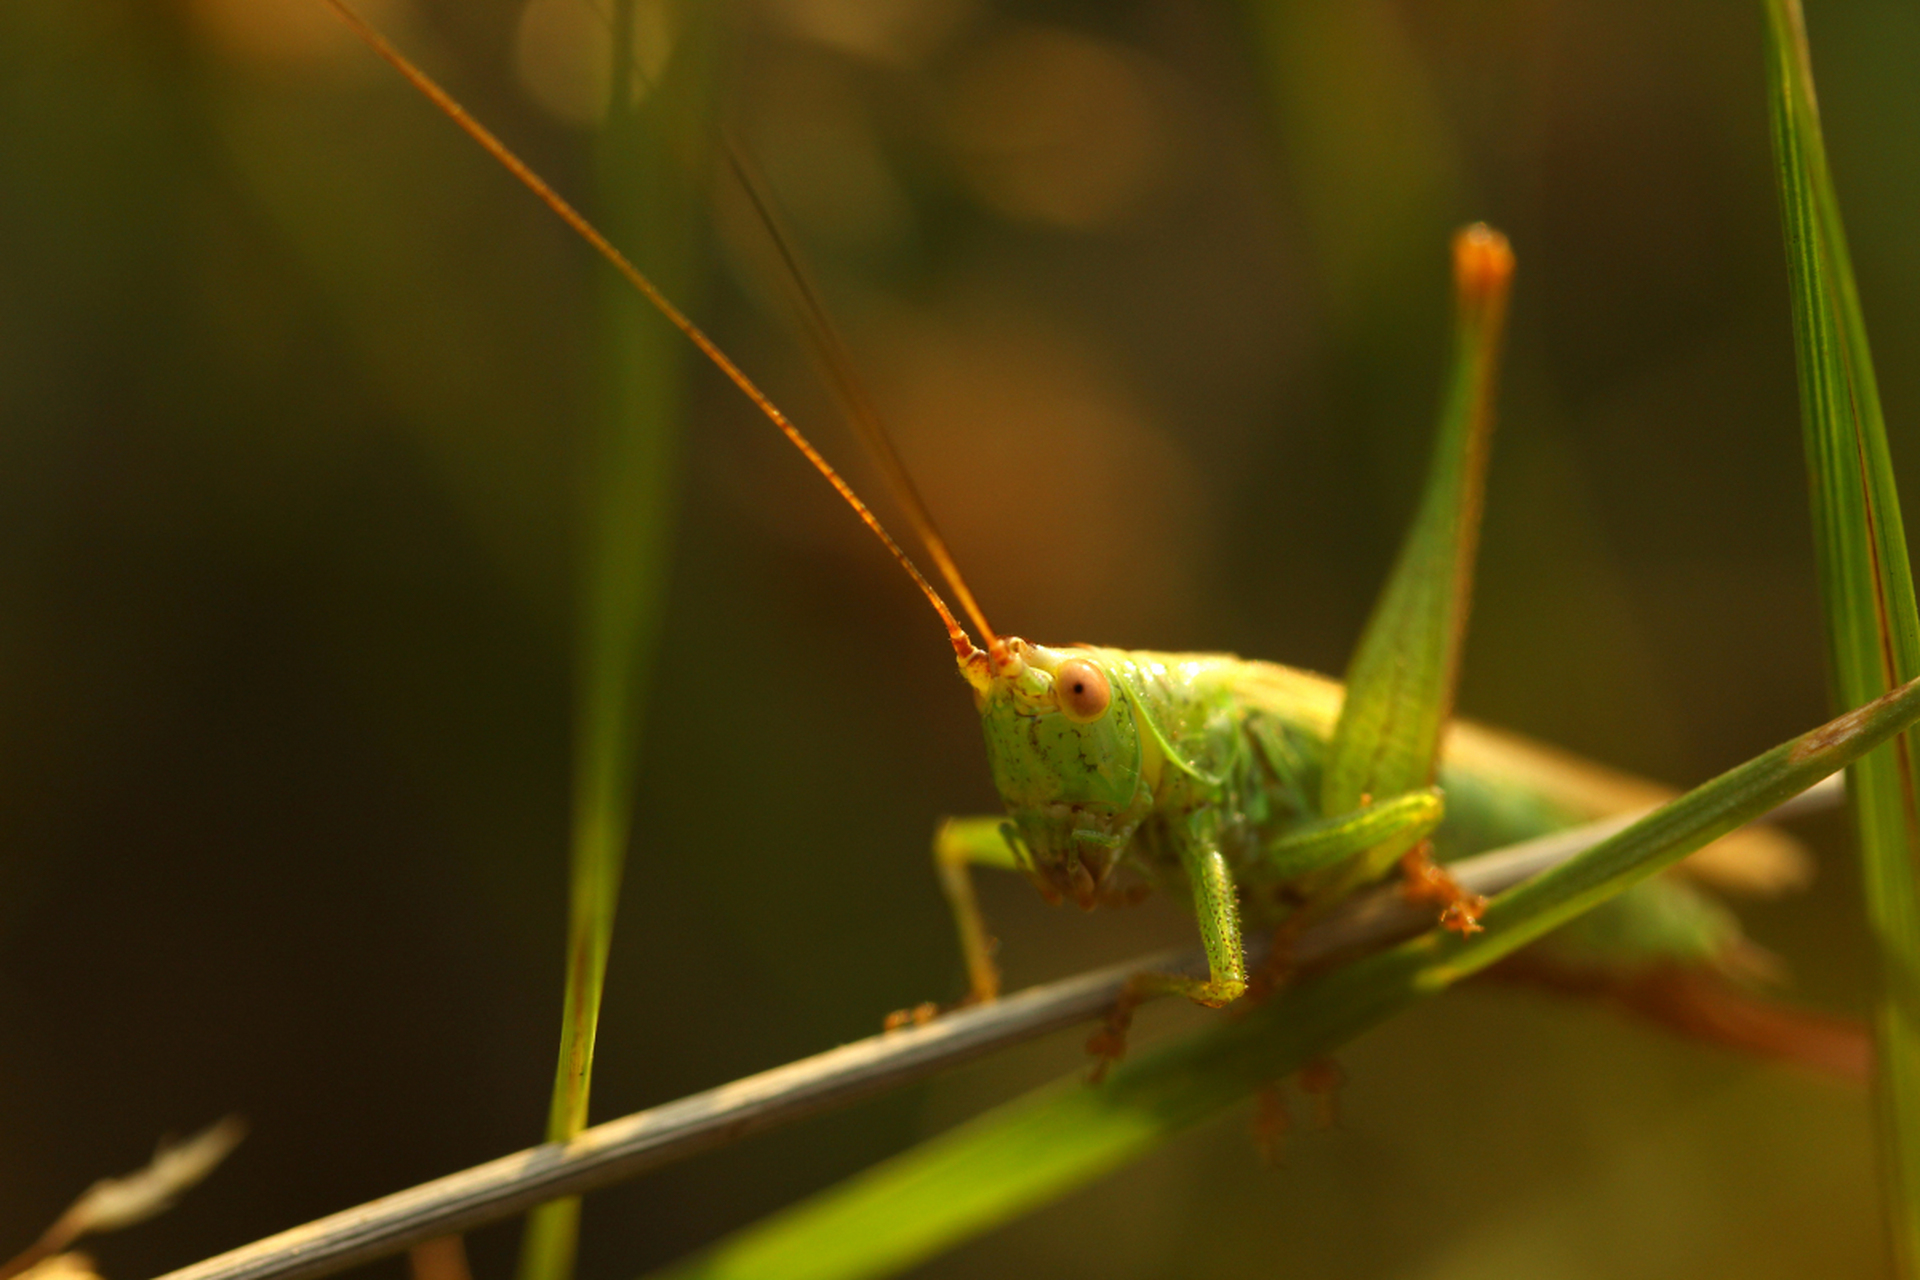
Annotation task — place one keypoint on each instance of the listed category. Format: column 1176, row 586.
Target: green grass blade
column 1012, row 1160
column 1873, row 632
column 629, row 501
column 1400, row 684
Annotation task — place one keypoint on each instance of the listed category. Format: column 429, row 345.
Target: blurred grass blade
column 629, row 499
column 1866, row 584
column 1020, row 1156
column 1400, row 683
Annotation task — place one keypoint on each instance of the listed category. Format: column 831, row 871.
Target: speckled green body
column 1232, row 750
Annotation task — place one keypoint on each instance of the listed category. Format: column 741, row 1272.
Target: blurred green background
column 293, row 394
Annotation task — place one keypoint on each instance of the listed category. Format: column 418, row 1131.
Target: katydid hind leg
column 1321, row 1080
column 1381, row 832
column 1400, row 682
column 1271, row 1121
column 1427, row 881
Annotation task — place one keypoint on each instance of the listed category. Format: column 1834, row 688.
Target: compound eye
column 1082, row 690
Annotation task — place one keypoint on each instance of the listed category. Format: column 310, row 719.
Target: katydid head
column 1064, row 746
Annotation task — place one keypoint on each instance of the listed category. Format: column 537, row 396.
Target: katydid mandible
column 1257, row 793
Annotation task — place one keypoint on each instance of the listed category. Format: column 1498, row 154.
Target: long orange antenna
column 859, row 408
column 962, row 645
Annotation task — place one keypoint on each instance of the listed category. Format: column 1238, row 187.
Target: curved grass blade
column 629, row 504
column 1401, row 681
column 1020, row 1156
column 1873, row 632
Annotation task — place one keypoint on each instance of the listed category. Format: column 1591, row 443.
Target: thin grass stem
column 629, row 500
column 1867, row 590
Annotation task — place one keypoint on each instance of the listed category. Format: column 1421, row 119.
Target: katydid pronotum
column 1257, row 793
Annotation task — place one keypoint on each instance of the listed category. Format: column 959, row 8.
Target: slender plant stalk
column 1873, row 633
column 649, row 1140
column 629, row 500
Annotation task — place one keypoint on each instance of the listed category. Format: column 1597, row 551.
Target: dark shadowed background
column 291, row 390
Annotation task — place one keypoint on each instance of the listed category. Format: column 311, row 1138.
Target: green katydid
column 1258, row 793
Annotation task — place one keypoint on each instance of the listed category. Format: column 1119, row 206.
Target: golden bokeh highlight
column 890, row 31
column 1059, row 127
column 563, row 51
column 814, row 139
